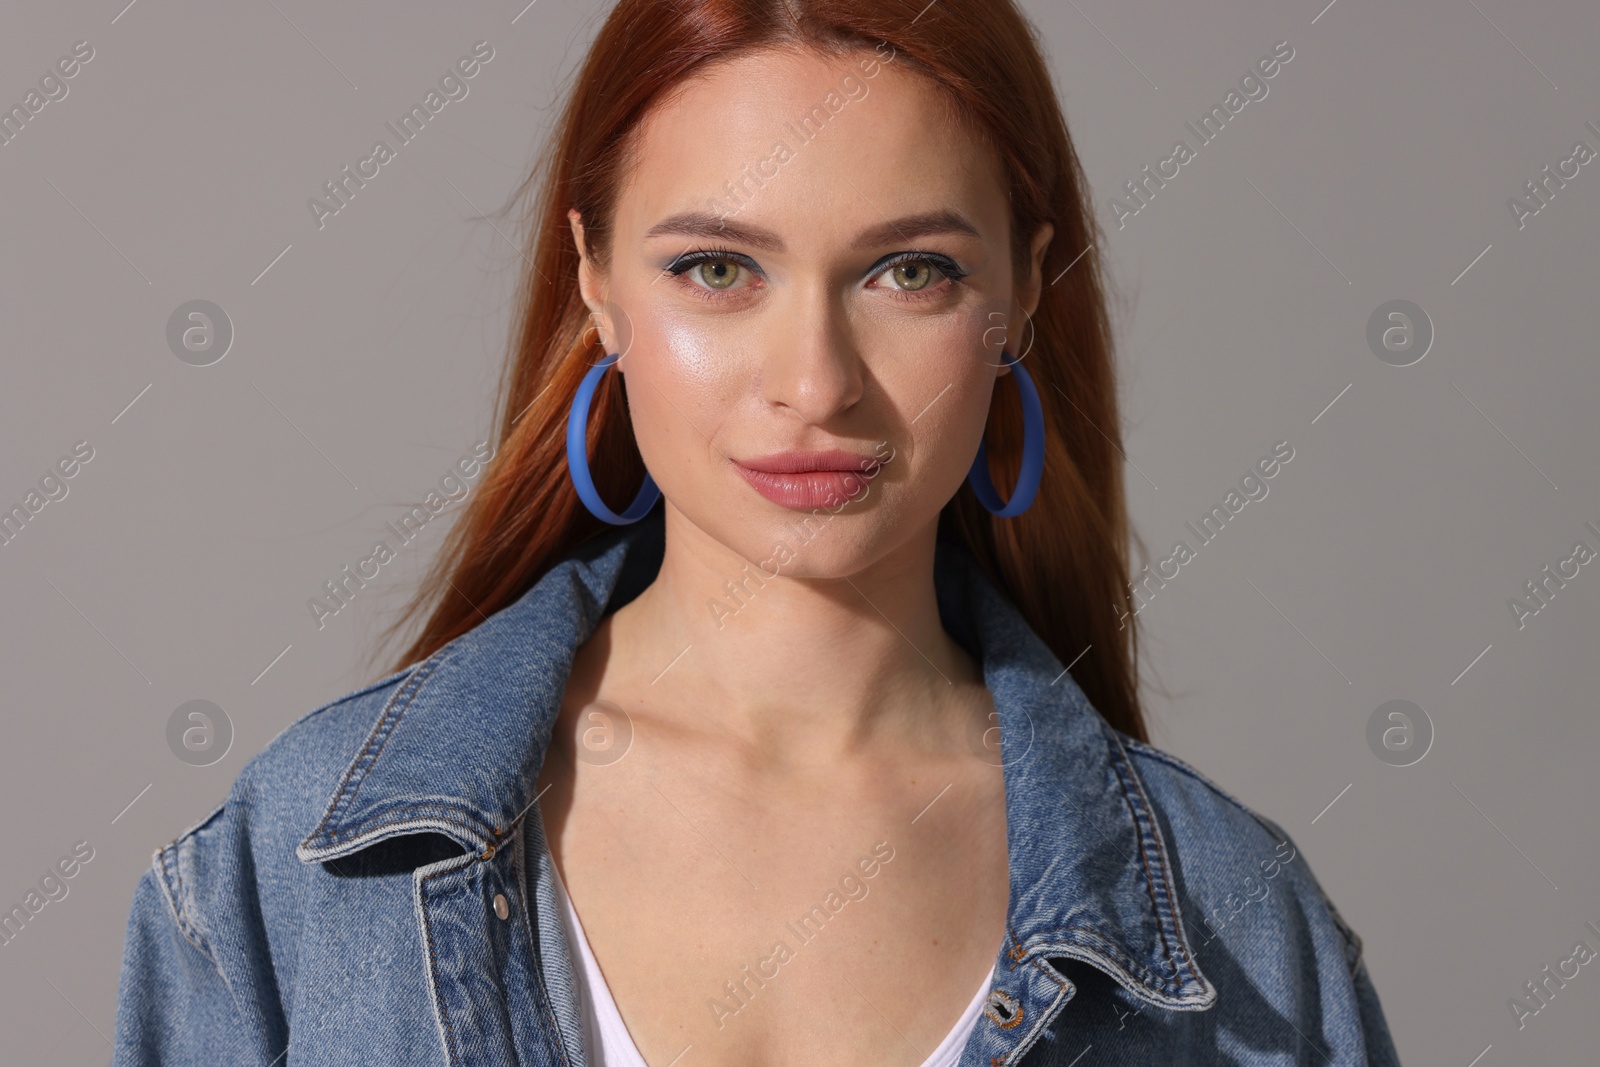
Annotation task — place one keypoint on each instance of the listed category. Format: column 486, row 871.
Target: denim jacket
column 374, row 889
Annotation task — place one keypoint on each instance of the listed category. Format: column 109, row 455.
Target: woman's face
column 810, row 328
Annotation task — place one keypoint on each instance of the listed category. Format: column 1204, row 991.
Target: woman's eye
column 913, row 274
column 718, row 273
column 918, row 274
column 705, row 274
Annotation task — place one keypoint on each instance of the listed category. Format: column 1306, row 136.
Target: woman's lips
column 805, row 481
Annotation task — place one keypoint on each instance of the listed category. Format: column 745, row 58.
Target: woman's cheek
column 678, row 395
column 949, row 451
column 701, row 358
column 684, row 351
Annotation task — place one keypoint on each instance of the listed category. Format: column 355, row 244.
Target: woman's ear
column 1031, row 287
column 591, row 284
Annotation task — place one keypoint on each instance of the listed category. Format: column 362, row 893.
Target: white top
column 607, row 1042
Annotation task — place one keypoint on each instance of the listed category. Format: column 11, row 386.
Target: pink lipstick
column 806, row 480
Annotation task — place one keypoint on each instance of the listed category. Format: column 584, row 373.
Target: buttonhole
column 1002, row 1009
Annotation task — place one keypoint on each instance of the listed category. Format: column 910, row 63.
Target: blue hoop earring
column 578, row 455
column 1032, row 453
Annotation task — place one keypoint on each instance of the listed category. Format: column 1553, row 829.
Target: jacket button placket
column 492, row 1007
column 1025, row 1000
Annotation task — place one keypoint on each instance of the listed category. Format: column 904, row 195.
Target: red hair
column 1063, row 562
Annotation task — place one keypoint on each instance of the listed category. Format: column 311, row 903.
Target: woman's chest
column 827, row 934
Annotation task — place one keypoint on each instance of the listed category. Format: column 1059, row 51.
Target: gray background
column 1378, row 568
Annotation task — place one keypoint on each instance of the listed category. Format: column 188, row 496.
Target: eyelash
column 684, row 263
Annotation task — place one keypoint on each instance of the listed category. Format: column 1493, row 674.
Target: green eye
column 912, row 274
column 718, row 273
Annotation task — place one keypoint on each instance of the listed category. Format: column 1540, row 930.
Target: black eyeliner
column 702, row 255
column 947, row 266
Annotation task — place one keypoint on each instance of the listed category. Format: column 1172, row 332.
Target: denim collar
column 1090, row 872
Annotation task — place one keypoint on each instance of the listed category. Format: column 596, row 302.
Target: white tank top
column 607, row 1042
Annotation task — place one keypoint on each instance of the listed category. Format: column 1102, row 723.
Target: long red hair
column 1064, row 562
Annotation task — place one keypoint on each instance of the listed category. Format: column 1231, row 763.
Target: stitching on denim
column 1039, row 1028
column 172, row 888
column 389, row 679
column 382, row 732
column 1016, row 952
column 1103, row 946
column 1061, row 983
column 519, row 870
column 191, row 920
column 340, row 837
column 1005, row 1000
column 433, row 968
column 218, row 810
column 169, row 854
column 1177, row 764
column 169, row 860
column 1276, row 831
column 1352, row 940
column 1160, row 897
column 204, row 945
column 1183, row 965
column 380, row 735
column 549, row 1013
column 1127, row 980
column 1116, row 755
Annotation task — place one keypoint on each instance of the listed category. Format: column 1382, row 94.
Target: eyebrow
column 711, row 225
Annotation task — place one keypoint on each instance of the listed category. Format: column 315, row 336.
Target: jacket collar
column 1090, row 870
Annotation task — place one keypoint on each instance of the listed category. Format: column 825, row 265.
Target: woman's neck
column 829, row 665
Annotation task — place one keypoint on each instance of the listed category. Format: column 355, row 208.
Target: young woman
column 826, row 748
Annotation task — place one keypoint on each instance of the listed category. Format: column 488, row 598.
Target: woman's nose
column 813, row 365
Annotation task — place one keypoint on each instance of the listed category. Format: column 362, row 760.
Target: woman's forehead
column 816, row 144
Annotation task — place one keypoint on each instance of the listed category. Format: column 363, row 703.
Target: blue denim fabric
column 339, row 906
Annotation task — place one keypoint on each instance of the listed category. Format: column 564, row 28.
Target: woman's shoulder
column 1258, row 921
column 1177, row 785
column 216, row 950
column 1241, row 876
column 244, row 849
